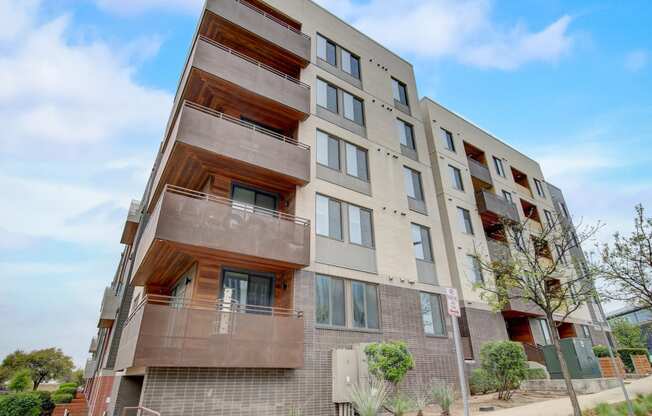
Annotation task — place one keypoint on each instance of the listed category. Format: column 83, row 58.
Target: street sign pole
column 454, row 312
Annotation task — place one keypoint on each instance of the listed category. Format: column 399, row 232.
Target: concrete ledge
column 582, row 386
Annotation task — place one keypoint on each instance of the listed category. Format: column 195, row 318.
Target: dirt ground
column 518, row 399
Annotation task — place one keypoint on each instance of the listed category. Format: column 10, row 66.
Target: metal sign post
column 453, row 304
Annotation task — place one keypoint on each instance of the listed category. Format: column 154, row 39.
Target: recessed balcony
column 188, row 225
column 90, row 367
column 480, row 173
column 205, row 141
column 268, row 29
column 131, row 223
column 494, row 209
column 109, row 308
column 163, row 331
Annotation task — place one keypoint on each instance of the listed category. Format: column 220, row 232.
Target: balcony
column 109, row 309
column 204, row 140
column 480, row 173
column 93, row 347
column 230, row 76
column 273, row 29
column 89, row 368
column 131, row 224
column 168, row 332
column 187, row 225
column 494, row 209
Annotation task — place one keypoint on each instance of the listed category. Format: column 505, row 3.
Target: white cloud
column 15, row 17
column 636, row 60
column 134, row 7
column 55, row 92
column 463, row 30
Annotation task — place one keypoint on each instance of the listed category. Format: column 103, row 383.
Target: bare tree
column 626, row 267
column 554, row 283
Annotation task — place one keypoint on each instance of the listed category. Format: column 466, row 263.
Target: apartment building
column 479, row 180
column 300, row 206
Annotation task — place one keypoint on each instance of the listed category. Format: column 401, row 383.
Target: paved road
column 562, row 407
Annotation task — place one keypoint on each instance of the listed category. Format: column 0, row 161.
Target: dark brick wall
column 234, row 392
column 484, row 326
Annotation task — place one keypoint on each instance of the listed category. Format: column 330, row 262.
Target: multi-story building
column 479, row 181
column 298, row 207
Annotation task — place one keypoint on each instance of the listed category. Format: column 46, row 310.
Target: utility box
column 349, row 368
column 579, row 357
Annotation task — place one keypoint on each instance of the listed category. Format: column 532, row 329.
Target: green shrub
column 444, row 396
column 506, row 363
column 536, row 374
column 20, row 404
column 626, row 355
column 70, row 384
column 47, row 405
column 389, row 361
column 20, row 381
column 601, row 351
column 368, row 399
column 62, row 397
column 399, row 404
column 67, row 390
column 481, row 382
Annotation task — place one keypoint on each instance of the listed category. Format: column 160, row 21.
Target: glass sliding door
column 253, row 198
column 248, row 289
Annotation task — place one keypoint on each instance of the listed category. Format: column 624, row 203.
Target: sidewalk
column 562, row 407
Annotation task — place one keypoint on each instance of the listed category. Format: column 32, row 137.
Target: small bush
column 601, row 351
column 444, row 396
column 536, row 374
column 20, row 404
column 505, row 362
column 389, row 361
column 626, row 355
column 481, row 382
column 368, row 399
column 399, row 405
column 67, row 390
column 20, row 381
column 59, row 398
column 71, row 384
column 47, row 405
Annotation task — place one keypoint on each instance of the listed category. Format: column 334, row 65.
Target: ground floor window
column 432, row 315
column 346, row 303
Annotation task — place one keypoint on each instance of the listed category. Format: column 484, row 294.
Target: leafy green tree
column 506, row 363
column 20, row 381
column 389, row 361
column 43, row 365
column 627, row 334
column 21, row 404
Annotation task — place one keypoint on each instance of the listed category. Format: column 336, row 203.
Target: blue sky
column 86, row 88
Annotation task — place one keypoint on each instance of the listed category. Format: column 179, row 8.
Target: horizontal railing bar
column 269, row 16
column 235, row 204
column 246, row 124
column 253, row 61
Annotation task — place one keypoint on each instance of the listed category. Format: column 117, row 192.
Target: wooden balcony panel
column 187, row 225
column 161, row 332
column 109, row 308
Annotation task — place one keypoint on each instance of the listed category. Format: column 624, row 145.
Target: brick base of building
column 101, row 391
column 273, row 392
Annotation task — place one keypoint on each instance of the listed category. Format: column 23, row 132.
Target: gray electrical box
column 349, row 368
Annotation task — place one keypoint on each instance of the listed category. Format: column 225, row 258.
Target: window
column 360, row 226
column 475, row 269
column 421, row 242
column 563, row 209
column 350, row 64
column 560, row 254
column 399, row 90
column 329, row 301
column 356, row 162
column 365, row 305
column 253, row 197
column 328, row 217
column 465, row 220
column 326, row 50
column 549, row 218
column 432, row 315
column 586, row 332
column 405, row 134
column 447, row 138
column 508, row 196
column 545, row 331
column 413, row 183
column 456, row 178
column 353, row 108
column 326, row 95
column 539, row 186
column 331, row 308
column 328, row 150
column 500, row 169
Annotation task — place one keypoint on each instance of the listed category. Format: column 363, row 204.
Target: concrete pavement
column 562, row 407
